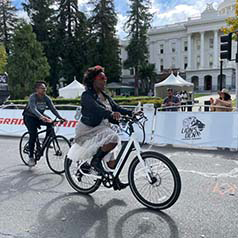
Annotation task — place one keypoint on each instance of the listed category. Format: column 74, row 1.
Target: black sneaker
column 97, row 165
column 85, row 168
column 118, row 185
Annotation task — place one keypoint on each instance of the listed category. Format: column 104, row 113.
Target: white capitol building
column 193, row 47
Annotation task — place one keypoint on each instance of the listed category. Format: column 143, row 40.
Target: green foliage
column 43, row 20
column 232, row 22
column 26, row 64
column 137, row 27
column 73, row 37
column 132, row 101
column 197, row 95
column 147, row 73
column 104, row 43
column 3, row 59
column 8, row 21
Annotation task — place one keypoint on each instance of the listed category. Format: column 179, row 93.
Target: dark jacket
column 93, row 111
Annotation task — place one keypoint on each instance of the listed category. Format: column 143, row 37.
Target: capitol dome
column 227, row 7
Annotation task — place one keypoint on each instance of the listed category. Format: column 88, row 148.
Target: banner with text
column 207, row 129
column 11, row 123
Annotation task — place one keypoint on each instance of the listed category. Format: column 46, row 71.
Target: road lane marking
column 231, row 174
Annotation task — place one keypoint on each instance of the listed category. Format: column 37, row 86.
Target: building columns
column 202, row 50
column 215, row 49
column 189, row 51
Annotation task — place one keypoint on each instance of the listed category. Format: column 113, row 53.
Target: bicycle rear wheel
column 56, row 152
column 79, row 182
column 24, row 147
column 165, row 186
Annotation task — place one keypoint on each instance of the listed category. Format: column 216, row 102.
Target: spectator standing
column 150, row 93
column 223, row 103
column 184, row 100
column 171, row 102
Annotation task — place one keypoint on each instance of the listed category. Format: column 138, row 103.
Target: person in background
column 184, row 100
column 223, row 103
column 33, row 116
column 178, row 95
column 150, row 93
column 171, row 102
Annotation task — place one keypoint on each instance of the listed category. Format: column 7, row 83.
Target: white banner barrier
column 206, row 129
column 11, row 123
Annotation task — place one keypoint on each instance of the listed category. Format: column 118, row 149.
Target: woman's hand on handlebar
column 116, row 116
column 46, row 119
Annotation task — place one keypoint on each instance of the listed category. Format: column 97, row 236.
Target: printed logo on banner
column 192, row 128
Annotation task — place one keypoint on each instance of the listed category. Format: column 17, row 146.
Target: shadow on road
column 17, row 180
column 146, row 223
column 73, row 215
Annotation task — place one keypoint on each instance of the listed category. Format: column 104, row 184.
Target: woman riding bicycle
column 33, row 116
column 94, row 134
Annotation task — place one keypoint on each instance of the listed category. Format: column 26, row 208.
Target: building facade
column 192, row 47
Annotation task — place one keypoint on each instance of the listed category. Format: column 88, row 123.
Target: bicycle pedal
column 58, row 153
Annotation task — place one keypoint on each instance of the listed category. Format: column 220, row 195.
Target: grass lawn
column 197, row 95
column 234, row 103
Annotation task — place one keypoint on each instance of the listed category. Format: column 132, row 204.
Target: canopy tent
column 73, row 90
column 186, row 83
column 176, row 83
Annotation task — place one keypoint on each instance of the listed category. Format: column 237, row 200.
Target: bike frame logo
column 192, row 128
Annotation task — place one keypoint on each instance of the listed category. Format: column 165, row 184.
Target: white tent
column 176, row 83
column 73, row 90
column 186, row 83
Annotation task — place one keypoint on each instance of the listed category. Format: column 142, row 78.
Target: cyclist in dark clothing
column 94, row 133
column 33, row 116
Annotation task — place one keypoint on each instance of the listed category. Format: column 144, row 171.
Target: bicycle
column 153, row 178
column 56, row 147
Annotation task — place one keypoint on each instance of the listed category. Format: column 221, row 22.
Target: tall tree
column 3, row 59
column 72, row 36
column 137, row 26
column 8, row 21
column 105, row 44
column 43, row 19
column 26, row 63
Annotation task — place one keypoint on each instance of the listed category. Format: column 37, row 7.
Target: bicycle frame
column 46, row 140
column 124, row 153
column 127, row 148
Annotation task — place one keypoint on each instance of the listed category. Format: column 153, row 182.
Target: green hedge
column 120, row 100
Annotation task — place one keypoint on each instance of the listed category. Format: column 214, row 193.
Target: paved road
column 35, row 203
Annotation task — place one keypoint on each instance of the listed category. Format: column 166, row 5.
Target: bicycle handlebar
column 134, row 119
column 56, row 120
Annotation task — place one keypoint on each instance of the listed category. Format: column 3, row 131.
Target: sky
column 165, row 11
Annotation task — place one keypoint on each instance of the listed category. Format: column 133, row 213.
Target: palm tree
column 148, row 76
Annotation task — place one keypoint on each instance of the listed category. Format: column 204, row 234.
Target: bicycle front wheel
column 56, row 152
column 24, row 147
column 161, row 190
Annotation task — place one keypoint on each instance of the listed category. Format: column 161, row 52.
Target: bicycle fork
column 145, row 167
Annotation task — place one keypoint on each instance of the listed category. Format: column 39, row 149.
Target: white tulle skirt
column 89, row 139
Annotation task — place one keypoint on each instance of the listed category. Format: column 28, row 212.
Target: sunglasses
column 101, row 77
